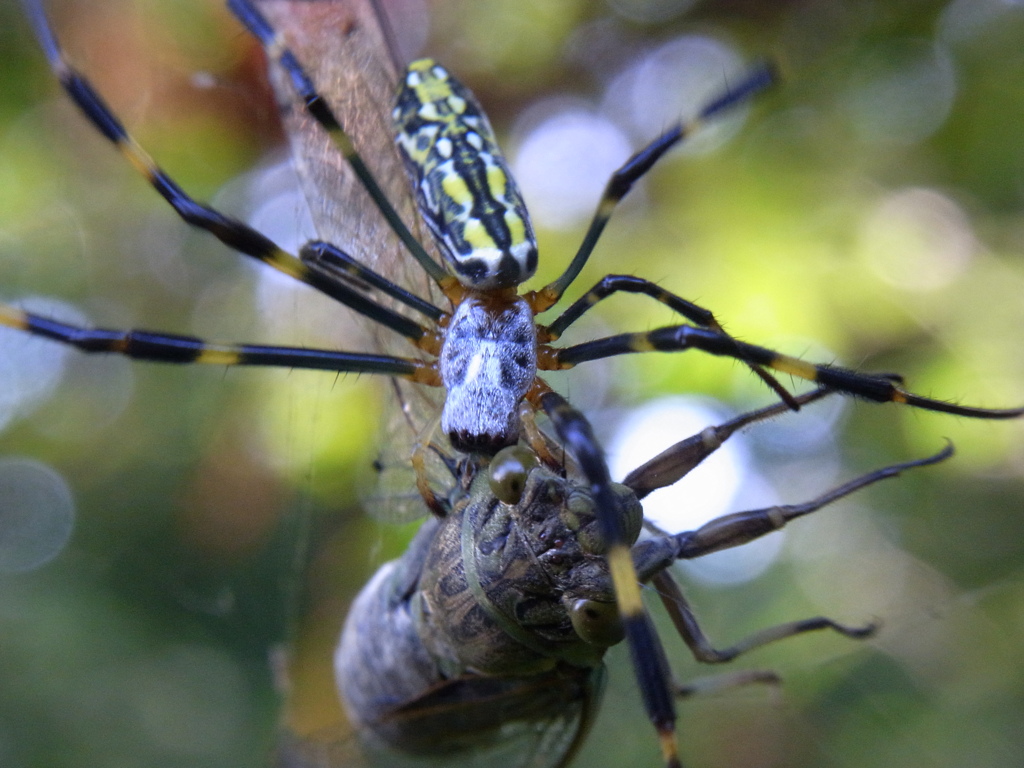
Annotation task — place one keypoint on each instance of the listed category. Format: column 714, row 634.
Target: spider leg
column 333, row 261
column 169, row 348
column 881, row 388
column 610, row 284
column 319, row 109
column 230, row 231
column 632, row 170
column 649, row 662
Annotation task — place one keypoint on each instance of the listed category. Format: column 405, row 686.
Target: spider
column 486, row 348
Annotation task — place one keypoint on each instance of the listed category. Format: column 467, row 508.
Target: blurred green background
column 869, row 210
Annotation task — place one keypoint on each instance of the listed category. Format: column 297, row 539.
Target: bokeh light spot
column 917, row 239
column 965, row 20
column 709, row 491
column 37, row 513
column 672, row 83
column 903, row 93
column 564, row 162
column 31, row 367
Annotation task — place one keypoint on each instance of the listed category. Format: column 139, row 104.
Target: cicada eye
column 508, row 472
column 596, row 622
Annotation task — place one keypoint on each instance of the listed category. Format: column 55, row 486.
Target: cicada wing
column 547, row 743
column 477, row 722
column 348, row 51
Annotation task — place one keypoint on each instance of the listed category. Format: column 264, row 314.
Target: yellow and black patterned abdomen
column 463, row 185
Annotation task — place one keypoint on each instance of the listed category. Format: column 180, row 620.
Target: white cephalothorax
column 488, row 362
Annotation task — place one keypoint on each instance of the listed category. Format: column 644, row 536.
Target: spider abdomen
column 462, row 182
